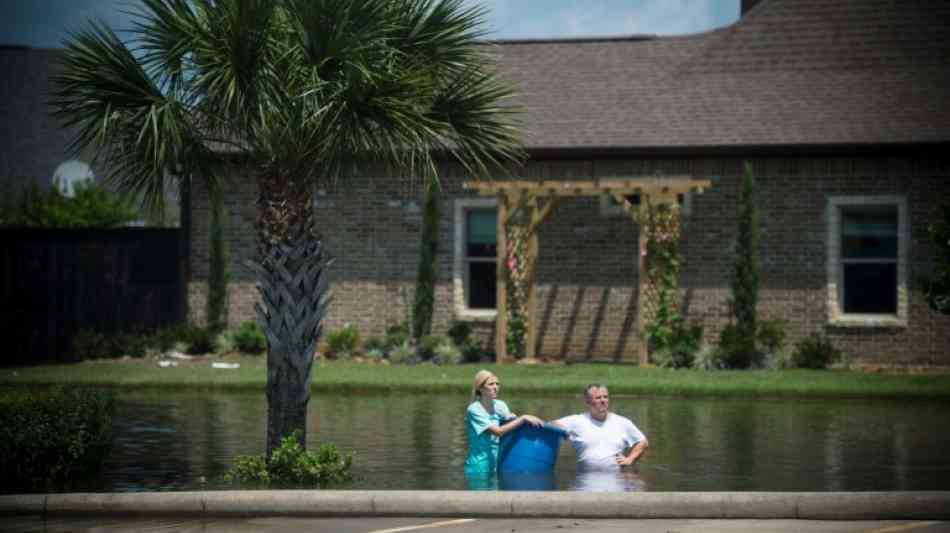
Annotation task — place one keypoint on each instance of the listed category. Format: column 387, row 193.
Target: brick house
column 841, row 108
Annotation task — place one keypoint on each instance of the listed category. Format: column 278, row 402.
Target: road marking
column 426, row 526
column 902, row 527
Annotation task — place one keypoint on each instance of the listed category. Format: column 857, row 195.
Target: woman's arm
column 513, row 424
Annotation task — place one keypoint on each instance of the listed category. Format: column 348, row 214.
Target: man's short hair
column 591, row 387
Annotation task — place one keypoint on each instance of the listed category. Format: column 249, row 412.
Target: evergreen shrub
column 815, row 351
column 249, row 338
column 342, row 343
column 56, row 440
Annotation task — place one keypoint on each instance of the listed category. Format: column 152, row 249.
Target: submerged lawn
column 515, row 379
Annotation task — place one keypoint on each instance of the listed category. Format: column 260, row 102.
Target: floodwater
column 187, row 440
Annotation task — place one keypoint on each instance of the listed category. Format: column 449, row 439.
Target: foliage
column 396, row 335
column 735, row 350
column 937, row 288
column 88, row 344
column 515, row 338
column 55, row 440
column 708, row 358
column 291, row 465
column 198, row 340
column 664, row 330
column 428, row 264
column 740, row 341
column 249, row 338
column 428, row 344
column 92, row 206
column 447, row 353
column 771, row 335
column 681, row 350
column 305, row 91
column 404, row 353
column 815, row 351
column 461, row 334
column 342, row 343
column 218, row 275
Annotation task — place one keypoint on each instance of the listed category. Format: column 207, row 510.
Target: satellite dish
column 68, row 173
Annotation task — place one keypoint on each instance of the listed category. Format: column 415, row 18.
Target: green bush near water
column 54, row 441
column 292, row 466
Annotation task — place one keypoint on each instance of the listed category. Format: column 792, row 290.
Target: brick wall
column 587, row 266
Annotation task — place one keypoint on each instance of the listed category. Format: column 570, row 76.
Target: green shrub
column 428, row 345
column 199, row 340
column 374, row 348
column 249, row 338
column 55, row 440
column 165, row 339
column 92, row 206
column 735, row 349
column 291, row 465
column 89, row 345
column 446, row 353
column 472, row 351
column 778, row 360
column 403, row 354
column 815, row 351
column 342, row 343
column 708, row 358
column 460, row 332
column 682, row 346
column 396, row 335
column 771, row 335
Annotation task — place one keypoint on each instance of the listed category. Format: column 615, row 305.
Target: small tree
column 218, row 276
column 738, row 341
column 428, row 264
column 937, row 289
column 91, row 206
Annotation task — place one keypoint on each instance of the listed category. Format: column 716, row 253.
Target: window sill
column 868, row 321
column 477, row 315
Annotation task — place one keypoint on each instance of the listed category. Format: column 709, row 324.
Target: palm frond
column 120, row 113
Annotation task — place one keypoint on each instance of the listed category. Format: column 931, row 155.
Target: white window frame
column 835, row 270
column 459, row 263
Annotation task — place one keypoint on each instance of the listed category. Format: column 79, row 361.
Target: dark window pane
column 481, row 233
column 481, row 285
column 869, row 232
column 870, row 288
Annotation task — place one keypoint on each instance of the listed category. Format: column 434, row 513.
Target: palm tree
column 305, row 90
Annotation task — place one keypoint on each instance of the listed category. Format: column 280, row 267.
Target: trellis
column 522, row 208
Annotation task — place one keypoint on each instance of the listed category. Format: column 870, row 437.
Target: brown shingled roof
column 790, row 72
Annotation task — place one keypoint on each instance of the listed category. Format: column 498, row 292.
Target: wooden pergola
column 524, row 205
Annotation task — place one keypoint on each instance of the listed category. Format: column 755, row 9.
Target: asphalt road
column 457, row 525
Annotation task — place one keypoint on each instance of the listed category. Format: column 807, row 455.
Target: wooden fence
column 56, row 282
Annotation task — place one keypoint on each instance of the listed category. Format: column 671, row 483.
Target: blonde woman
column 486, row 420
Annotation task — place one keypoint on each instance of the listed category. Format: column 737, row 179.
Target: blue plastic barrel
column 530, row 449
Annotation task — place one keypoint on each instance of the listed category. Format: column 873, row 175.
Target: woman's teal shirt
column 482, row 445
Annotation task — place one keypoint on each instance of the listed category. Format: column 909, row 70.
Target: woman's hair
column 480, row 378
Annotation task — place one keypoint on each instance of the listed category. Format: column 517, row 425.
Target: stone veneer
column 587, row 268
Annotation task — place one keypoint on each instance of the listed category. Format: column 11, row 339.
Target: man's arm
column 635, row 453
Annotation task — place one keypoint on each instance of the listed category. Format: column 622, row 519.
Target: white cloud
column 577, row 18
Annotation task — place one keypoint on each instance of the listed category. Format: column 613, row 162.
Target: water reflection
column 187, row 440
column 608, row 481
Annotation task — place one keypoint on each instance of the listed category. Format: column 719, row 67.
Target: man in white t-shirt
column 603, row 440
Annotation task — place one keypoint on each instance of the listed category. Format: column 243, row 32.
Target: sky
column 45, row 23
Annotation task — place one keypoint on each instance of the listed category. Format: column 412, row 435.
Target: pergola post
column 501, row 287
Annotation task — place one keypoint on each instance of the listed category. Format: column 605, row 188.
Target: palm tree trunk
column 292, row 280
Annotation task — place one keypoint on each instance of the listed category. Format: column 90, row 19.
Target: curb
column 669, row 505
